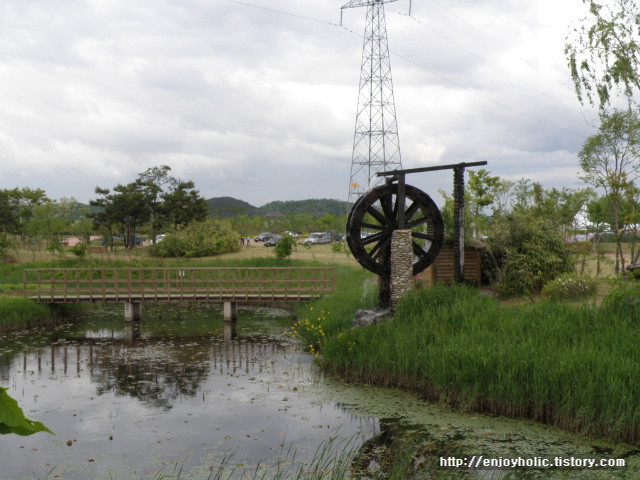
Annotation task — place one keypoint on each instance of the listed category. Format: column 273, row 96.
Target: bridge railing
column 177, row 284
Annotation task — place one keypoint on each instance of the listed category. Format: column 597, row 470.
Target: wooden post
column 384, row 291
column 132, row 311
column 458, row 224
column 400, row 202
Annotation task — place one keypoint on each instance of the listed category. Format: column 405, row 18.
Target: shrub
column 79, row 250
column 527, row 252
column 625, row 295
column 569, row 286
column 284, row 248
column 201, row 239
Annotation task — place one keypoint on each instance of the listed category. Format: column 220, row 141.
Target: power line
column 284, row 13
column 531, row 117
column 493, row 40
column 522, row 82
column 452, row 82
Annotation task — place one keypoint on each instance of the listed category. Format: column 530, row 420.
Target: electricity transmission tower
column 376, row 146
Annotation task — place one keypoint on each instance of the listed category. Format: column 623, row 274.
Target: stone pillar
column 401, row 267
column 132, row 311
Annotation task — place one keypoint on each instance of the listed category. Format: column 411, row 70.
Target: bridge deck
column 197, row 284
column 177, row 297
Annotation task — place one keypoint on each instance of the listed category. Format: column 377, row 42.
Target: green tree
column 17, row 205
column 481, row 191
column 124, row 211
column 604, row 52
column 610, row 160
column 183, row 205
column 9, row 218
column 155, row 180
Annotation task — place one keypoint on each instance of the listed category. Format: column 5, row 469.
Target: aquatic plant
column 13, row 419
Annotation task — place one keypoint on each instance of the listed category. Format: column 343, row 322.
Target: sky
column 257, row 100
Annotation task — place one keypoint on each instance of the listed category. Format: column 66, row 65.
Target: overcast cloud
column 260, row 105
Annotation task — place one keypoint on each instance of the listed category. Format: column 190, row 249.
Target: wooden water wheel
column 374, row 217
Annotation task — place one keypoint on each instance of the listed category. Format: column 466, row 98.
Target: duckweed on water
column 572, row 366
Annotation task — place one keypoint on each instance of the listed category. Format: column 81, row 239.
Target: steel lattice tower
column 376, row 146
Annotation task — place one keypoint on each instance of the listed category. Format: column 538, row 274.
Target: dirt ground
column 319, row 253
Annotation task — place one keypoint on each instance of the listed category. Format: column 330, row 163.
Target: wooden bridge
column 134, row 286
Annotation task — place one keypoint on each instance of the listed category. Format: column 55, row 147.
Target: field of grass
column 571, row 366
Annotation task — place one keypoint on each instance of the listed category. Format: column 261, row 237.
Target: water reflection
column 129, row 398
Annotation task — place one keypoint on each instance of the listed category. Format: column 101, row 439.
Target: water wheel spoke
column 417, row 249
column 420, row 221
column 381, row 248
column 424, row 236
column 386, row 202
column 376, row 237
column 411, row 211
column 377, row 215
column 371, row 226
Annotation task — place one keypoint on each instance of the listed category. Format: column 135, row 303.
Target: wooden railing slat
column 167, row 284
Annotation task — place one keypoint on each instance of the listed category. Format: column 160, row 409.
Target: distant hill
column 315, row 207
column 223, row 207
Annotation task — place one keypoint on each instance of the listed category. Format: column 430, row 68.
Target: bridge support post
column 131, row 332
column 230, row 311
column 132, row 311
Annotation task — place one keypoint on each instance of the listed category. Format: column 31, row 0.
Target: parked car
column 293, row 234
column 159, row 238
column 318, row 238
column 335, row 237
column 263, row 236
column 272, row 241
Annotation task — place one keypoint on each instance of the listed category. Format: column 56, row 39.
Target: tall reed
column 572, row 366
column 18, row 312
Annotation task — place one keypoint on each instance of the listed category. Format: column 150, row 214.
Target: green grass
column 572, row 366
column 18, row 312
column 319, row 320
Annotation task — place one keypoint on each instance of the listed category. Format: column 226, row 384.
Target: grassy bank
column 18, row 312
column 571, row 366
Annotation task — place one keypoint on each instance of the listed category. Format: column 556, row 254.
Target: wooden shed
column 442, row 269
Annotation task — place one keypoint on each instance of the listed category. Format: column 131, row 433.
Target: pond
column 167, row 393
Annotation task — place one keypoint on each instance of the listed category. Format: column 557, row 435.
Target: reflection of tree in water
column 159, row 372
column 152, row 373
